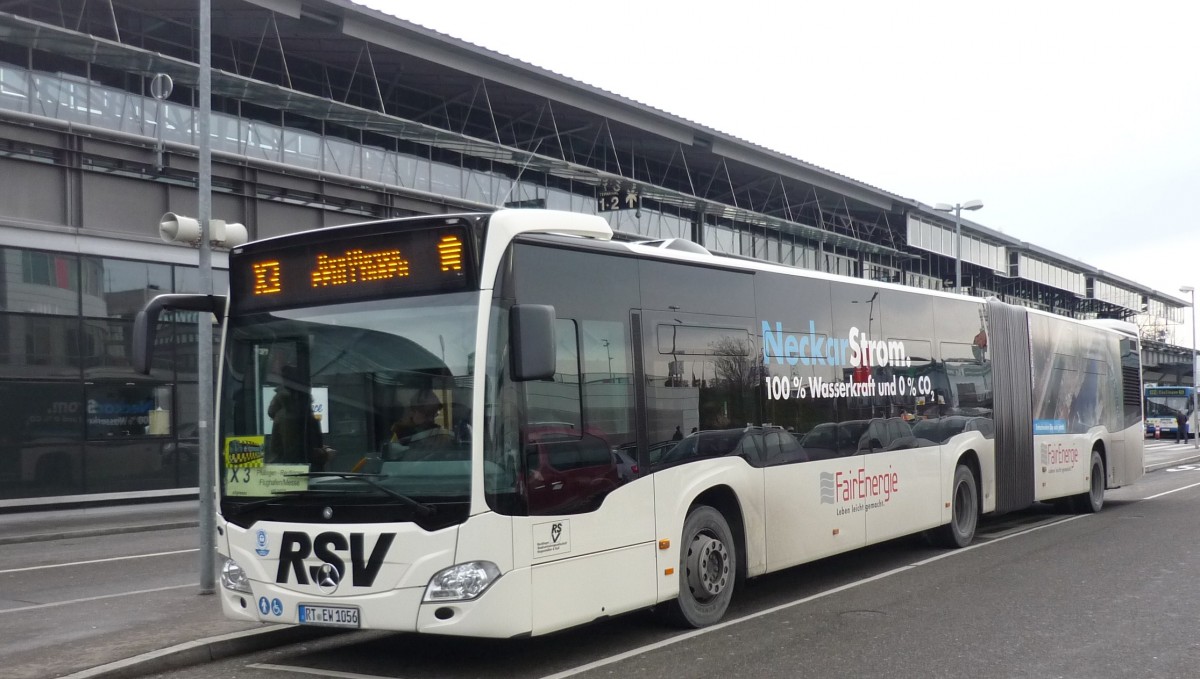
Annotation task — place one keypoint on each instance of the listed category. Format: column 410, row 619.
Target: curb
column 202, row 651
column 94, row 532
column 1190, row 459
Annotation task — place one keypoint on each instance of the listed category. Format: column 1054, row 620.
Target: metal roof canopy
column 335, row 31
column 112, row 54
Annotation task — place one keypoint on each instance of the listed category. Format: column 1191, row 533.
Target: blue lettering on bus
column 1049, row 426
column 856, row 349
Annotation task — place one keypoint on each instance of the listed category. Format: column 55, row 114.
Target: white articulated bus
column 507, row 424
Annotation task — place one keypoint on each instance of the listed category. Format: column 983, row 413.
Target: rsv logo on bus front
column 330, row 548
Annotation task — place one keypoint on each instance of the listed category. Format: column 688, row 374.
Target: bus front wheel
column 707, row 570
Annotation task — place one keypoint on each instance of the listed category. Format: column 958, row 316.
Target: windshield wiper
column 421, row 508
column 275, row 497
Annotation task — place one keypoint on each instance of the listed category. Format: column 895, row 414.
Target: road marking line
column 317, row 672
column 820, row 595
column 93, row 598
column 1152, row 497
column 84, row 563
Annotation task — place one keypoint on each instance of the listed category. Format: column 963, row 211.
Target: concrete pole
column 204, row 346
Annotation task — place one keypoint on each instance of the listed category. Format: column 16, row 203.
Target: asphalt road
column 1042, row 594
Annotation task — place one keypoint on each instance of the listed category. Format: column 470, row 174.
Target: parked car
column 567, row 470
column 833, row 439
column 627, row 467
column 759, row 446
column 941, row 429
column 656, row 451
column 884, row 434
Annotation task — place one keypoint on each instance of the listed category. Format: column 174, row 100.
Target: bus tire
column 964, row 511
column 707, row 570
column 1093, row 500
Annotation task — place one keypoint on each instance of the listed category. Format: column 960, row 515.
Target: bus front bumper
column 501, row 611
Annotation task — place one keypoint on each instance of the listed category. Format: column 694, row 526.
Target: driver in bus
column 418, row 431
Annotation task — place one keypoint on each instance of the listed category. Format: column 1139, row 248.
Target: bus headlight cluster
column 233, row 577
column 462, row 582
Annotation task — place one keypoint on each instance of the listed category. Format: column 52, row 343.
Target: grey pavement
column 1161, row 454
column 196, row 632
column 166, row 628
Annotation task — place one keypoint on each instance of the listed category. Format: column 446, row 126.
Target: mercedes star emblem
column 328, row 579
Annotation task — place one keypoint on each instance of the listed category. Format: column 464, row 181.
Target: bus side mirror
column 145, row 324
column 531, row 336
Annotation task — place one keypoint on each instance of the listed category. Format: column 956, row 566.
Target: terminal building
column 324, row 113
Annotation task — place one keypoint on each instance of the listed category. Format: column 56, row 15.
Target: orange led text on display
column 267, row 277
column 357, row 266
column 420, row 261
column 450, row 250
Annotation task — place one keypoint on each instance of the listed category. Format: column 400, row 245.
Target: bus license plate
column 330, row 616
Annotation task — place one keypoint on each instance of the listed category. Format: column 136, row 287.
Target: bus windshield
column 361, row 409
column 1168, row 405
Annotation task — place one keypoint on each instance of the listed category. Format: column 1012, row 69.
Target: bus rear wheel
column 1093, row 500
column 964, row 511
column 707, row 570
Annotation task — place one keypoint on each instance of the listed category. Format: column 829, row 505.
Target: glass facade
column 1044, row 272
column 932, row 237
column 1116, row 295
column 78, row 418
column 293, row 141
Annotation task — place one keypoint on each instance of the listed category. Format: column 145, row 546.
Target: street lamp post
column 957, row 209
column 1195, row 397
column 608, row 351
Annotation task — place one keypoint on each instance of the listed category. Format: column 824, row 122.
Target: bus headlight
column 462, row 582
column 233, row 577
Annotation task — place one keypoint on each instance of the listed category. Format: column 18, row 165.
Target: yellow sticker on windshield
column 244, row 451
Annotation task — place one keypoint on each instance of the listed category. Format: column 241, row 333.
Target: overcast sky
column 1076, row 123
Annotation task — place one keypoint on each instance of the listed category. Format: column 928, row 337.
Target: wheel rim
column 1097, row 485
column 707, row 567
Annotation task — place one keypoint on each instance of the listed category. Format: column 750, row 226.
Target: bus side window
column 569, row 465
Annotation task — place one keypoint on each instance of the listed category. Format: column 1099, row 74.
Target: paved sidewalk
column 193, row 630
column 1161, row 454
column 58, row 524
column 164, row 628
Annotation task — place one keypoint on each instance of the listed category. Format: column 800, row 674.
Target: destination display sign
column 400, row 263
